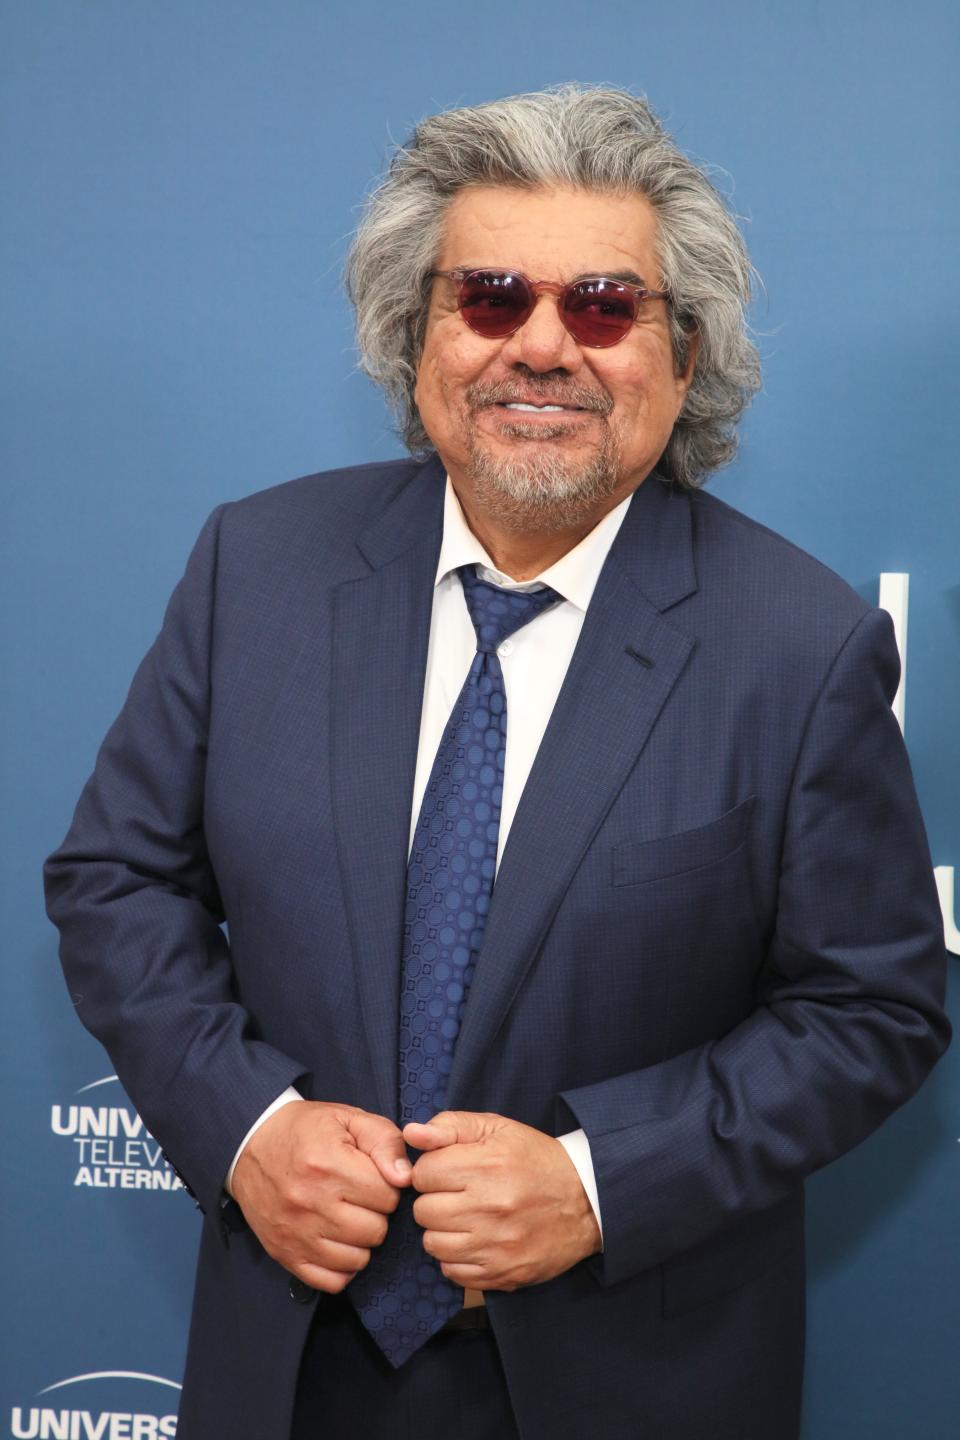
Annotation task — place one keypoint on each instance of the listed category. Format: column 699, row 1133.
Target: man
column 619, row 938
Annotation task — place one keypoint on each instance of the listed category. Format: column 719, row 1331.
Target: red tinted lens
column 598, row 312
column 494, row 302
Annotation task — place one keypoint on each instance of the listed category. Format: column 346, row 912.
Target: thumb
column 380, row 1139
column 450, row 1127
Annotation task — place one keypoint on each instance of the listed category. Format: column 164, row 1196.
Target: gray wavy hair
column 588, row 138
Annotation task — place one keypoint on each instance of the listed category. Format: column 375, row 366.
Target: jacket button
column 300, row 1292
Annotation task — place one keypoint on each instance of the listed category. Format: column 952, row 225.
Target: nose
column 543, row 343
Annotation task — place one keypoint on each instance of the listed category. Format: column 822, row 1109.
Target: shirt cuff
column 285, row 1099
column 577, row 1146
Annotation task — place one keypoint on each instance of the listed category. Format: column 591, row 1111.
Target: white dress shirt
column 534, row 661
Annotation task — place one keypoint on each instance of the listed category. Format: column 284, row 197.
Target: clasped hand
column 501, row 1204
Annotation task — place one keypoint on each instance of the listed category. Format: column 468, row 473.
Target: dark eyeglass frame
column 564, row 293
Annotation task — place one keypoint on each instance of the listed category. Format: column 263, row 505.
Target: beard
column 543, row 486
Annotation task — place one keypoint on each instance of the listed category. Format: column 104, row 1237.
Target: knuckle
column 387, row 1195
column 293, row 1194
column 311, row 1171
column 336, row 1283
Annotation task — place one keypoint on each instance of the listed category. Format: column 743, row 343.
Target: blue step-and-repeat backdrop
column 178, row 181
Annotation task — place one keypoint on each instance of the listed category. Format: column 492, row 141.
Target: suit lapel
column 609, row 703
column 381, row 629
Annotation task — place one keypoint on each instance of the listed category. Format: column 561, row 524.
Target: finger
column 362, row 1184
column 446, row 1169
column 470, row 1277
column 433, row 1136
column 380, row 1139
column 458, row 1246
column 353, row 1225
column 318, row 1277
column 441, row 1210
column 339, row 1258
column 293, row 1251
column 448, row 1127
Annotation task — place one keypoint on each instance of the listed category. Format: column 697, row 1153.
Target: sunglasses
column 596, row 311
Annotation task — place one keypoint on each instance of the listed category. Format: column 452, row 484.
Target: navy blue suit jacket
column 714, row 941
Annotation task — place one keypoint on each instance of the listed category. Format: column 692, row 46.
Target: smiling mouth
column 530, row 409
column 524, row 421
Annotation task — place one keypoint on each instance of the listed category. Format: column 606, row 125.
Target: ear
column 693, row 350
column 684, row 377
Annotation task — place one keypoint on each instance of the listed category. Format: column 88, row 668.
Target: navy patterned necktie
column 402, row 1296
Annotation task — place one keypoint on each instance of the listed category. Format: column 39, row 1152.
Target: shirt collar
column 574, row 575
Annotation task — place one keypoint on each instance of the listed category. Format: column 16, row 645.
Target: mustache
column 551, row 392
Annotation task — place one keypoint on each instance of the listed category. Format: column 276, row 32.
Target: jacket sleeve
column 134, row 895
column 848, row 1017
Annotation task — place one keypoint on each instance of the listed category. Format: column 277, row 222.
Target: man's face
column 556, row 469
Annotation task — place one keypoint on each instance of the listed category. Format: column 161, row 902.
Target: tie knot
column 497, row 613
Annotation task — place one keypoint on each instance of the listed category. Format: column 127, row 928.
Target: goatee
column 542, row 488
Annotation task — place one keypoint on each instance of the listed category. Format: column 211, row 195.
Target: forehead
column 550, row 233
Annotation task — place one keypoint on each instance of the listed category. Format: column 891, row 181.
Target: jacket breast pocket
column 640, row 862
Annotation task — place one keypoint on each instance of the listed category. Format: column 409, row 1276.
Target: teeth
column 537, row 409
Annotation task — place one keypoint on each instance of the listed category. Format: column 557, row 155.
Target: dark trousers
column 453, row 1386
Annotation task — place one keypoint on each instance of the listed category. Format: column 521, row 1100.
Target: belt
column 473, row 1318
